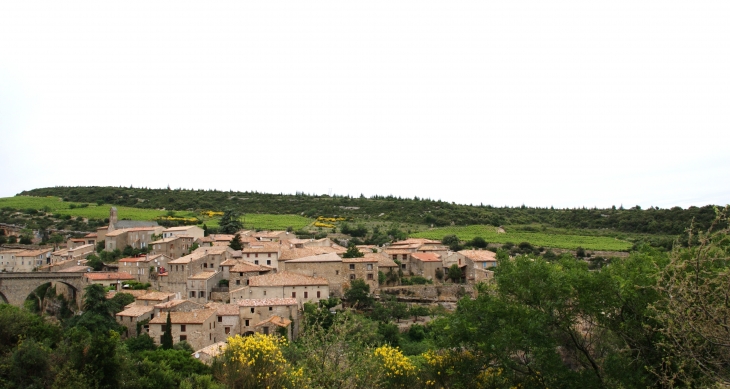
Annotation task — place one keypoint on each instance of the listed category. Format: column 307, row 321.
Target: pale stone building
column 198, row 328
column 254, row 312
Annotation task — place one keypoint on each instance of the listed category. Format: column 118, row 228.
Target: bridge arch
column 16, row 287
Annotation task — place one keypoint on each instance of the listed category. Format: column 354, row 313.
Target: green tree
column 455, row 273
column 353, row 252
column 236, row 242
column 358, row 294
column 55, row 239
column 418, row 310
column 478, row 242
column 230, row 222
column 167, row 335
column 94, row 262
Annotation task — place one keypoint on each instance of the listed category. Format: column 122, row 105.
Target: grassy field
column 268, row 222
column 537, row 239
column 55, row 205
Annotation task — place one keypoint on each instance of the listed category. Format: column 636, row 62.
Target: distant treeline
column 417, row 210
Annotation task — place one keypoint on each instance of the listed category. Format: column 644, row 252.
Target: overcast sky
column 543, row 103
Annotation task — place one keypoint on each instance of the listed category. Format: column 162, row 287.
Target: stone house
column 200, row 285
column 75, row 242
column 7, row 259
column 402, row 257
column 151, row 299
column 173, row 247
column 202, row 259
column 286, row 285
column 478, row 264
column 425, row 264
column 194, row 232
column 145, row 268
column 177, row 305
column 138, row 238
column 198, row 328
column 70, row 254
column 275, row 325
column 364, row 268
column 262, row 254
column 242, row 271
column 133, row 315
column 228, row 317
column 271, row 236
column 328, row 266
column 256, row 311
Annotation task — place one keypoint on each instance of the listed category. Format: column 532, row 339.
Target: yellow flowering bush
column 324, row 225
column 398, row 370
column 211, row 213
column 330, row 219
column 256, row 362
column 447, row 368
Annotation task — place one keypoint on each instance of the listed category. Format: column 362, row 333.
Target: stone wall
column 429, row 293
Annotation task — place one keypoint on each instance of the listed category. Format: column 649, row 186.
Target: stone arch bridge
column 15, row 287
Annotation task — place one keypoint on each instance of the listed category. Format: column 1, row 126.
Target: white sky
column 562, row 103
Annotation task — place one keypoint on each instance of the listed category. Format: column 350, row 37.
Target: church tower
column 112, row 218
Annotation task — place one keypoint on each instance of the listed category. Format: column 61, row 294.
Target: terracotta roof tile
column 330, row 257
column 228, row 310
column 426, row 257
column 136, row 310
column 276, row 320
column 156, row 296
column 479, row 255
column 246, row 267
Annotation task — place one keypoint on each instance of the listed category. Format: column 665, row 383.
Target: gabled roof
column 228, row 310
column 156, row 296
column 285, row 278
column 174, row 303
column 359, row 260
column 426, row 257
column 479, row 255
column 246, row 267
column 204, row 275
column 136, row 310
column 383, row 260
column 294, row 253
column 331, row 257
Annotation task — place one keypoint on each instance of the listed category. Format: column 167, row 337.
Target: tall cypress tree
column 167, row 336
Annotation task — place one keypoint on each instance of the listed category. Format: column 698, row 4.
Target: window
column 238, row 282
column 271, row 308
column 192, row 293
column 205, row 265
column 370, row 276
column 269, row 255
column 337, row 272
column 268, row 262
column 370, row 266
column 256, row 255
column 317, row 294
column 246, row 323
column 240, row 274
column 306, row 294
column 352, row 276
column 405, row 256
column 266, row 330
column 183, row 338
column 220, row 319
column 352, row 266
column 395, row 256
column 256, row 262
column 202, row 293
column 251, row 310
column 264, row 293
column 248, row 255
column 247, row 284
column 403, row 266
column 182, row 327
column 293, row 294
column 228, row 330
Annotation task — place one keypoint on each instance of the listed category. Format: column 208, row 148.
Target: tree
column 230, row 222
column 439, row 274
column 479, row 242
column 236, row 242
column 167, row 335
column 55, row 239
column 94, row 262
column 455, row 273
column 358, row 295
column 353, row 252
column 417, row 311
column 694, row 311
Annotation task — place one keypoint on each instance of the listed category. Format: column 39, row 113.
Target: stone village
column 211, row 291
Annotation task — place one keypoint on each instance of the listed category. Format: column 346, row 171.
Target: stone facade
column 198, row 328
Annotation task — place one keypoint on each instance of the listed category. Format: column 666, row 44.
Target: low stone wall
column 429, row 293
column 221, row 297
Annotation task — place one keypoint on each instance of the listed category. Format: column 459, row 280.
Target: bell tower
column 112, row 218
